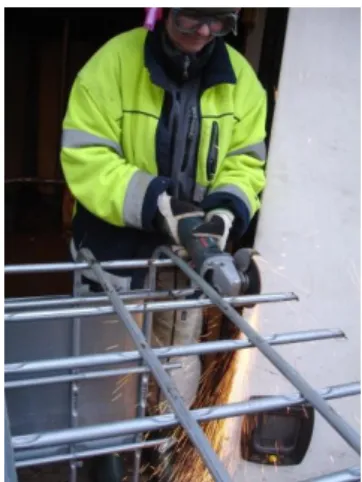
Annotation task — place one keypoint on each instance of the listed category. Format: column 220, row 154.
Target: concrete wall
column 309, row 229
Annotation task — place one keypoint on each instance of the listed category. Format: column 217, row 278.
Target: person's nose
column 204, row 30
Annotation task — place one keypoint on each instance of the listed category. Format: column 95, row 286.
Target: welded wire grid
column 30, row 450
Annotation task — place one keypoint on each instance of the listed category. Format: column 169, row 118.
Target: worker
column 162, row 124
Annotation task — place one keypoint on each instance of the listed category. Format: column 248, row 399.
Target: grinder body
column 215, row 266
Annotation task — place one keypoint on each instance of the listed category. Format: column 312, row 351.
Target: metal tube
column 29, row 382
column 168, row 387
column 243, row 300
column 347, row 475
column 333, row 418
column 144, row 379
column 60, row 267
column 89, row 453
column 10, row 474
column 16, row 304
column 33, row 180
column 74, row 388
column 82, row 434
column 169, row 351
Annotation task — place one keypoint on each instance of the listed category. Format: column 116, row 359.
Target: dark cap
column 210, row 11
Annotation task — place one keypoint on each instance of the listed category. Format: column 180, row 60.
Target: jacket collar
column 217, row 70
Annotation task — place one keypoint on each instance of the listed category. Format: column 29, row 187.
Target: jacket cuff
column 140, row 204
column 235, row 204
column 149, row 209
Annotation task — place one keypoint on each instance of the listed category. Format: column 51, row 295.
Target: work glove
column 217, row 225
column 172, row 211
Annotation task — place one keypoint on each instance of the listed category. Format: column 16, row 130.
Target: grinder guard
column 229, row 275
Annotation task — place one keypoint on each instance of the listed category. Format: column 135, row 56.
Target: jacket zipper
column 211, row 160
column 186, row 67
column 190, row 135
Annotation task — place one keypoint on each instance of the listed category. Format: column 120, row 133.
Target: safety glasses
column 189, row 21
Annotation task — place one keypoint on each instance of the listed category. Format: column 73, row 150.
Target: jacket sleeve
column 240, row 178
column 95, row 168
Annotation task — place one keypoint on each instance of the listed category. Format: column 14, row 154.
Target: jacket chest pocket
column 212, row 152
column 216, row 135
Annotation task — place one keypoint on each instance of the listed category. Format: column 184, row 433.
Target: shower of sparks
column 266, row 265
column 110, row 321
column 354, row 275
column 118, row 392
column 223, row 434
column 113, row 347
column 117, row 397
column 262, row 261
column 305, row 411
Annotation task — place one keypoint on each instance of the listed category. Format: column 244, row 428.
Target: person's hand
column 172, row 211
column 217, row 225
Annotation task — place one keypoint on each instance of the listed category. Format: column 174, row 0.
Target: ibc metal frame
column 23, row 450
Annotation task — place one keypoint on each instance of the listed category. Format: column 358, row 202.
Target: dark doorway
column 44, row 49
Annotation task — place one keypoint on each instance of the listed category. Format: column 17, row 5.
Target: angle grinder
column 230, row 275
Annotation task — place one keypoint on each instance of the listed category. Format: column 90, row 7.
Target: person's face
column 188, row 42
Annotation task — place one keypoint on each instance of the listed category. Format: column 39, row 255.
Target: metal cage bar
column 84, row 454
column 352, row 474
column 61, row 267
column 10, row 474
column 148, row 360
column 244, row 300
column 30, row 382
column 39, row 302
column 144, row 379
column 148, row 424
column 169, row 351
column 74, row 386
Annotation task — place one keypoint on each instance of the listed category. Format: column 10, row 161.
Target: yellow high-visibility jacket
column 112, row 155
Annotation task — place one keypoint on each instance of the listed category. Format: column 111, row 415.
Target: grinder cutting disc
column 248, row 270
